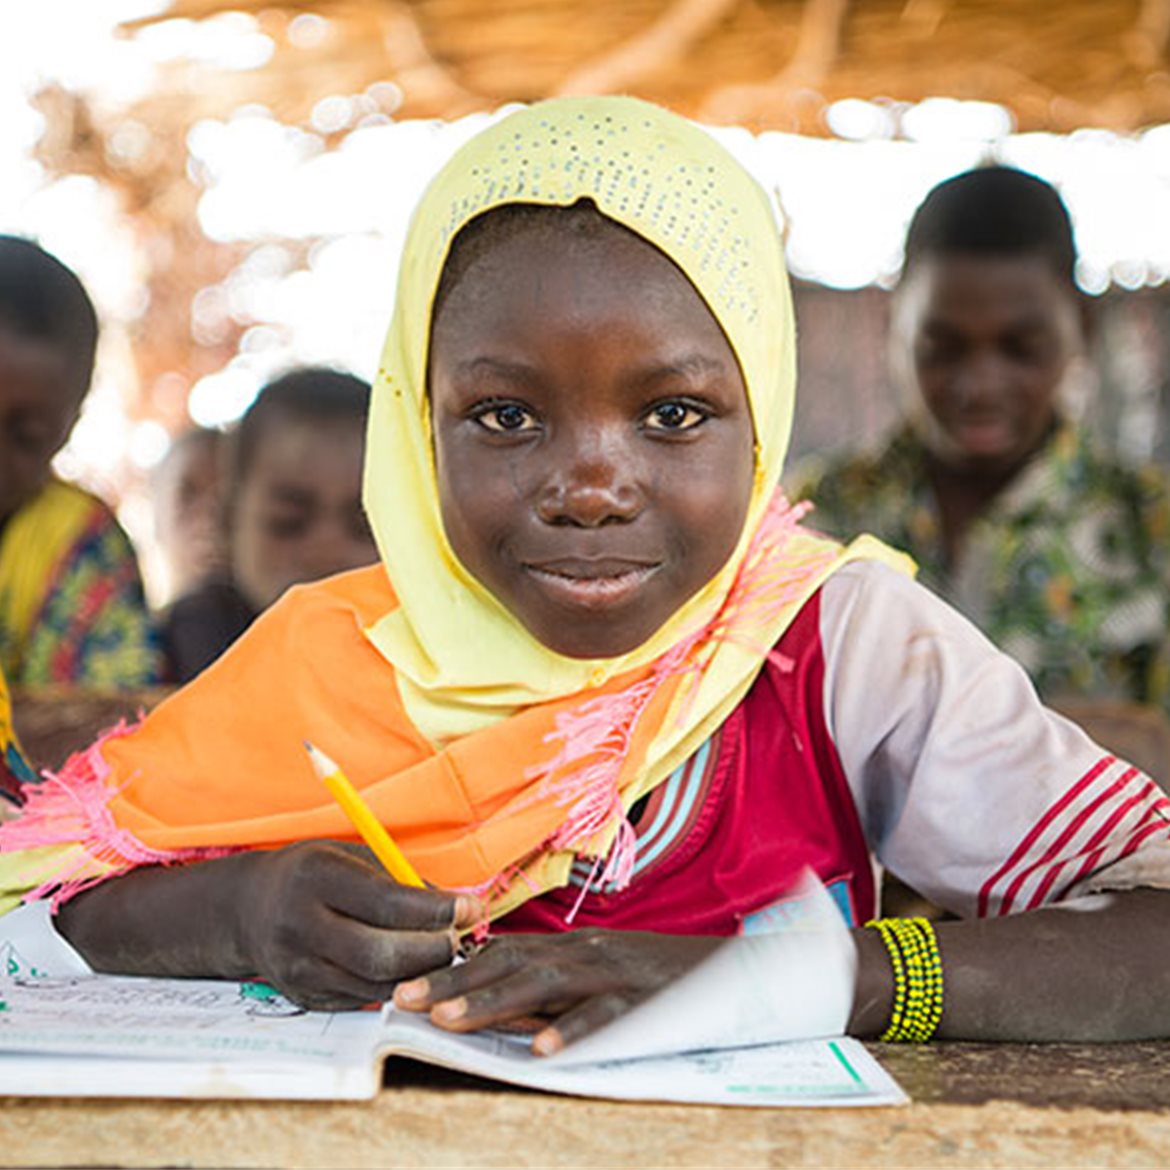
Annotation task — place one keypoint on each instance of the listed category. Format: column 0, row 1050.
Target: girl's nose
column 593, row 485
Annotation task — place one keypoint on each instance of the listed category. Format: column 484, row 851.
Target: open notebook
column 757, row 1023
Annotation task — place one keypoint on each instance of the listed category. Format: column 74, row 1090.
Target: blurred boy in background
column 1059, row 552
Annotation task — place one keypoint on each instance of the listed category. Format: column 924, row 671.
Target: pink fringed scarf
column 71, row 807
column 602, row 750
column 595, row 737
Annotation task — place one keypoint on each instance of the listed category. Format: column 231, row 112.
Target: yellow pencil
column 372, row 831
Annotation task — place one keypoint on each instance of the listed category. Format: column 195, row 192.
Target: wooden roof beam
column 818, row 45
column 666, row 41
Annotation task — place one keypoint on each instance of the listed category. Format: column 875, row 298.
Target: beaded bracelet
column 918, row 978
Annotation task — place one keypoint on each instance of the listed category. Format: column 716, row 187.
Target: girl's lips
column 591, row 585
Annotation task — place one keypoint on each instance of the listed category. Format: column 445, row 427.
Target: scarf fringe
column 595, row 737
column 72, row 807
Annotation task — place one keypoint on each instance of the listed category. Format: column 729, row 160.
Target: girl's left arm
column 1091, row 970
column 1054, row 854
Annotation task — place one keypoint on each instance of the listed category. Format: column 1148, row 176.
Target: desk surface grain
column 974, row 1106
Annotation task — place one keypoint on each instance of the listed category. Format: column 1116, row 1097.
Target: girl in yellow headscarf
column 602, row 677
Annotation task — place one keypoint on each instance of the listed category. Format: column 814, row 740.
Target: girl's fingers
column 323, row 986
column 380, row 901
column 347, row 965
column 581, row 1020
column 499, row 959
column 386, row 956
column 353, row 884
column 538, row 989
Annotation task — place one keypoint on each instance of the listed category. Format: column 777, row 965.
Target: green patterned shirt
column 1068, row 571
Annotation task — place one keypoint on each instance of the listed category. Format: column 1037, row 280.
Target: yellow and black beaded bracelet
column 918, row 978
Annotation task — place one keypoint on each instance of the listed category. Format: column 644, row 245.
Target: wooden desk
column 974, row 1106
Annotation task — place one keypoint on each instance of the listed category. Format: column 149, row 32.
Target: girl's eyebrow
column 687, row 366
column 690, row 365
column 501, row 367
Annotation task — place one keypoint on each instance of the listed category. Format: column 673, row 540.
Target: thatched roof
column 1058, row 64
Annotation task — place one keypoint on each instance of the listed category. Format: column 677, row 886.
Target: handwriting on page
column 112, row 1015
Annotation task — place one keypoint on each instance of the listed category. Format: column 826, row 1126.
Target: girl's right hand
column 326, row 925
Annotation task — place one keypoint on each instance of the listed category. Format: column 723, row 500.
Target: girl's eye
column 675, row 416
column 506, row 417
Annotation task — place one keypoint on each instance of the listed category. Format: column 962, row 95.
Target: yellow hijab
column 463, row 661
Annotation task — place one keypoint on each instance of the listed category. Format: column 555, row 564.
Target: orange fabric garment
column 279, row 686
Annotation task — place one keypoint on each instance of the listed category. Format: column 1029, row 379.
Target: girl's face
column 593, row 439
column 297, row 515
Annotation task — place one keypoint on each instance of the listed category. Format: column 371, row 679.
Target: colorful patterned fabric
column 14, row 768
column 1069, row 571
column 88, row 623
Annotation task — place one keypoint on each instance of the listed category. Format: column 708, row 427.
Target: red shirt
column 723, row 840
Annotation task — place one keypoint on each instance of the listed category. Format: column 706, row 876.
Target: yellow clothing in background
column 72, row 608
column 14, row 768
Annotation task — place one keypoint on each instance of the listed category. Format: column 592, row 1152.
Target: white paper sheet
column 794, row 983
column 66, row 1032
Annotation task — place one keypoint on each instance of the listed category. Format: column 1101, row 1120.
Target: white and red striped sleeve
column 969, row 789
column 1105, row 817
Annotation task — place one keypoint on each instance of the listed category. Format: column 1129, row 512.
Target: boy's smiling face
column 981, row 345
column 593, row 439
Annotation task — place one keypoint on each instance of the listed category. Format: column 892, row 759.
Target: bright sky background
column 846, row 200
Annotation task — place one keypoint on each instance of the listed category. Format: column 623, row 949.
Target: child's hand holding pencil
column 336, row 926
